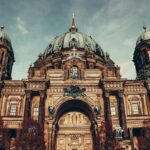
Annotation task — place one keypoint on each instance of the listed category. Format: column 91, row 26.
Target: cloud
column 125, row 69
column 21, row 26
column 129, row 42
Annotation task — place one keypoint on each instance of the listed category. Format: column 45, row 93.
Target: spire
column 73, row 25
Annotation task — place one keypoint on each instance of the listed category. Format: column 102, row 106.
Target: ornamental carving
column 97, row 110
column 51, row 110
column 74, row 91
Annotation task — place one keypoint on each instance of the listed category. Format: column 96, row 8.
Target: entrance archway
column 74, row 132
column 75, row 127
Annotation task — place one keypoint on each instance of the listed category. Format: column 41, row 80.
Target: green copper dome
column 69, row 40
column 144, row 36
column 3, row 35
column 73, row 39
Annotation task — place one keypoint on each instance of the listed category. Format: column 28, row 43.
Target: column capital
column 107, row 94
column 42, row 94
column 141, row 95
column 120, row 94
column 28, row 94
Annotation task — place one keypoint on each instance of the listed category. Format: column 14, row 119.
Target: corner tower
column 141, row 56
column 6, row 55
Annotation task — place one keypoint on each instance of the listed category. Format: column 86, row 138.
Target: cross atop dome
column 73, row 24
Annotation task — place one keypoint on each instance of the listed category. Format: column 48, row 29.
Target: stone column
column 4, row 110
column 49, row 134
column 41, row 108
column 107, row 110
column 121, row 113
column 27, row 109
column 54, row 131
column 131, row 137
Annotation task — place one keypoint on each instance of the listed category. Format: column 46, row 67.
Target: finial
column 73, row 22
column 73, row 25
column 73, row 15
column 145, row 28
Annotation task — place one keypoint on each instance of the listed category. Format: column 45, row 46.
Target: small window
column 135, row 108
column 36, row 111
column 13, row 109
column 113, row 110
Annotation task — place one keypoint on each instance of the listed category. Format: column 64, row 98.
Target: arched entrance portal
column 74, row 132
column 75, row 127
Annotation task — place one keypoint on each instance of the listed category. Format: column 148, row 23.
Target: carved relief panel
column 74, row 132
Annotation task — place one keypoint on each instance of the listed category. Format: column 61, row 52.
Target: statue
column 51, row 110
column 118, row 71
column 30, row 72
column 119, row 132
column 97, row 110
column 74, row 73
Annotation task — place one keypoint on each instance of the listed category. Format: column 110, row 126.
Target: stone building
column 73, row 88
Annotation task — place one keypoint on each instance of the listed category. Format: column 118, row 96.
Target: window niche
column 75, row 73
column 134, row 105
column 13, row 106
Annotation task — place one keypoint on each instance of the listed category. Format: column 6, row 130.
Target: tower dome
column 6, row 55
column 3, row 35
column 144, row 36
column 141, row 55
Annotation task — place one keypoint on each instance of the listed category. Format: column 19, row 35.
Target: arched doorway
column 74, row 132
column 75, row 127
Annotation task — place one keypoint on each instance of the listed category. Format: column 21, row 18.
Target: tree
column 4, row 137
column 31, row 136
column 144, row 139
column 108, row 137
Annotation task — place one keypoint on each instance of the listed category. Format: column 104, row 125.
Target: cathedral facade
column 73, row 89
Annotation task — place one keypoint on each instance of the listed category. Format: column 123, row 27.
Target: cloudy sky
column 114, row 24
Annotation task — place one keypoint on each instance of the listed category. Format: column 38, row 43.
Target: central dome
column 73, row 39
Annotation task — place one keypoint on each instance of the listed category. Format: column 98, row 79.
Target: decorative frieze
column 112, row 84
column 134, row 87
column 36, row 85
column 74, row 91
